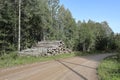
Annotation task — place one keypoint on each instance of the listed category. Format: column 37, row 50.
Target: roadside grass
column 13, row 59
column 109, row 69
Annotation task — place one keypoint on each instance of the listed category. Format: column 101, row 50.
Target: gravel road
column 75, row 68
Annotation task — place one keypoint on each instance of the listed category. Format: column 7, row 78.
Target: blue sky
column 96, row 10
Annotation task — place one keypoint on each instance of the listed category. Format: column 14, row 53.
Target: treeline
column 48, row 20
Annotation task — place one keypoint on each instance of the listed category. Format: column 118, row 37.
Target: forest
column 49, row 20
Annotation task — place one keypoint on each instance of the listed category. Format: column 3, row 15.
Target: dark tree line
column 48, row 20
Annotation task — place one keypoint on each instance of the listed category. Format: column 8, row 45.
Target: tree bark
column 19, row 26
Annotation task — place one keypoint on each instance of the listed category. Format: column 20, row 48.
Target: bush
column 12, row 55
column 109, row 69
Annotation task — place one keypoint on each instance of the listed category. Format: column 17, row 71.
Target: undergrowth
column 109, row 69
column 12, row 59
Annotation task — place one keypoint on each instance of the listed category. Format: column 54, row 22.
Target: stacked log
column 46, row 48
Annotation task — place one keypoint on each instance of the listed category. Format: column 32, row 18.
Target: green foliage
column 35, row 23
column 7, row 26
column 109, row 69
column 93, row 36
column 117, row 42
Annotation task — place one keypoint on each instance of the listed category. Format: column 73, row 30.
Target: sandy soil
column 75, row 68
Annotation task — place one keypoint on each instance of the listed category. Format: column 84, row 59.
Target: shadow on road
column 81, row 76
column 79, row 65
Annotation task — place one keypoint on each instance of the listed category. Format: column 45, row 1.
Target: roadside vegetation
column 109, row 69
column 13, row 59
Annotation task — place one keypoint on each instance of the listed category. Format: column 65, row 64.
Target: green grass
column 13, row 59
column 109, row 69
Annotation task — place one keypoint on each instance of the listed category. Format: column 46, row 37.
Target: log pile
column 46, row 48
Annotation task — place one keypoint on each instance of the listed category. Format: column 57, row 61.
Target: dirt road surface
column 75, row 68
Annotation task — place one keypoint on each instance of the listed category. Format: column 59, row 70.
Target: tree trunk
column 84, row 47
column 19, row 30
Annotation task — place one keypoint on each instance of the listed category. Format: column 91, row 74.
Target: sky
column 96, row 10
